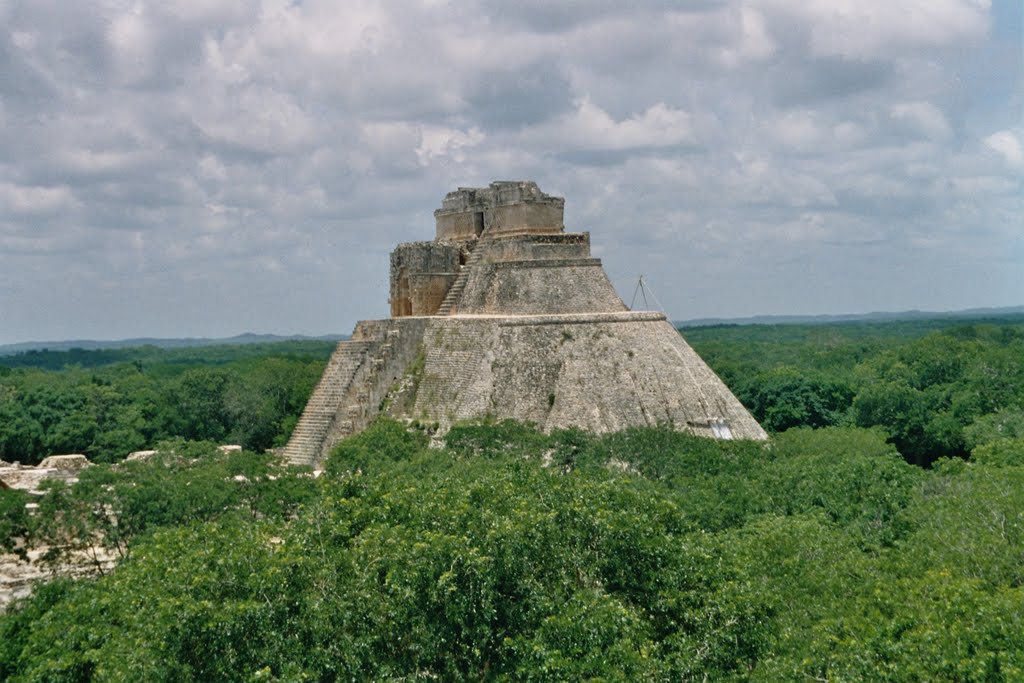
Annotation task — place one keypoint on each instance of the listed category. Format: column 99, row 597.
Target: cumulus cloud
column 34, row 201
column 923, row 118
column 880, row 28
column 437, row 141
column 208, row 166
column 589, row 127
column 1008, row 145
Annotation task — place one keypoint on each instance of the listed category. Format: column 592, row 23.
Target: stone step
column 341, row 403
column 452, row 297
column 312, row 428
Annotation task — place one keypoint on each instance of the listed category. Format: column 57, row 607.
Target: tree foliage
column 643, row 555
column 509, row 554
column 108, row 411
column 109, row 507
column 937, row 388
column 14, row 520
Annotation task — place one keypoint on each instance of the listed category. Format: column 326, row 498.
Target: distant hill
column 877, row 316
column 92, row 344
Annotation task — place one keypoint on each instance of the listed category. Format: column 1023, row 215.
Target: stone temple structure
column 506, row 315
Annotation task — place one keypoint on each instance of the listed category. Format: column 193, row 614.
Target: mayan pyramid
column 506, row 315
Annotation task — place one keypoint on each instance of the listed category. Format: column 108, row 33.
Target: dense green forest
column 878, row 535
column 936, row 387
column 108, row 403
column 646, row 555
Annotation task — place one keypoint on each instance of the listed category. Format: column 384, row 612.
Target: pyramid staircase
column 350, row 393
column 450, row 304
column 361, row 402
column 308, row 437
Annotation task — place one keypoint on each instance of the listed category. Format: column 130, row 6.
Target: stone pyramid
column 506, row 315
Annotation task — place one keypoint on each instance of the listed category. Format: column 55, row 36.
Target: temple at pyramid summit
column 504, row 314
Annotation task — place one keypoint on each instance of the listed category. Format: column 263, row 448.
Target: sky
column 213, row 167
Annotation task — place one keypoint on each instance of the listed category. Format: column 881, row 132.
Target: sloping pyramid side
column 600, row 372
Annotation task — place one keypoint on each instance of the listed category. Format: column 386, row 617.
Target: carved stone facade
column 504, row 314
column 502, row 208
column 501, row 226
column 421, row 275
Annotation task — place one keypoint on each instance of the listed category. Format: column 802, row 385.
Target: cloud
column 1008, row 145
column 436, row 142
column 923, row 118
column 199, row 167
column 868, row 29
column 35, row 201
column 756, row 43
column 589, row 127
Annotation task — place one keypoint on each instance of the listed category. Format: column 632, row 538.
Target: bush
column 383, row 442
column 852, row 475
column 14, row 520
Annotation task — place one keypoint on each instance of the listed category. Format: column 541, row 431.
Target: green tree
column 786, row 397
column 14, row 521
column 197, row 398
column 859, row 481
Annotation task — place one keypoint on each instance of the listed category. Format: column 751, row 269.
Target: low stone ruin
column 29, row 478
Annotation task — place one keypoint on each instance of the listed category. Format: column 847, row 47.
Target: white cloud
column 983, row 186
column 757, row 180
column 800, row 130
column 754, row 41
column 89, row 162
column 924, row 117
column 254, row 117
column 1008, row 145
column 33, row 201
column 866, row 29
column 131, row 40
column 589, row 127
column 437, row 141
column 212, row 148
column 210, row 167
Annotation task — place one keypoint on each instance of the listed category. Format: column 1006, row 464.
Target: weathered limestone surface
column 506, row 315
column 599, row 372
column 421, row 275
column 74, row 462
column 18, row 575
column 355, row 382
column 398, row 342
column 539, row 287
column 320, row 413
column 28, row 478
column 572, row 245
column 504, row 207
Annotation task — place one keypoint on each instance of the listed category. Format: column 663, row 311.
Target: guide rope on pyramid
column 506, row 315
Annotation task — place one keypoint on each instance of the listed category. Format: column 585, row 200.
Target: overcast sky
column 211, row 167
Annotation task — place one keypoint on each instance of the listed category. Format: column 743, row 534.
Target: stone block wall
column 456, row 376
column 599, row 372
column 396, row 343
column 501, row 208
column 461, row 226
column 539, row 287
column 537, row 217
column 573, row 245
column 421, row 275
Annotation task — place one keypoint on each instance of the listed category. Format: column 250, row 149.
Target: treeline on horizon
column 937, row 388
